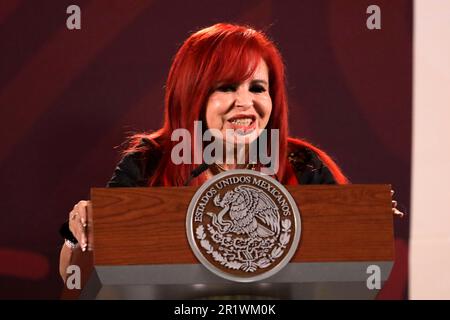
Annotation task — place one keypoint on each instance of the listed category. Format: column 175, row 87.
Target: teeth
column 242, row 121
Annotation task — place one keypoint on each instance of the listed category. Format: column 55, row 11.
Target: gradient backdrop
column 67, row 98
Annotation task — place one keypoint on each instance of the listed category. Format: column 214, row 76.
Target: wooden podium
column 141, row 250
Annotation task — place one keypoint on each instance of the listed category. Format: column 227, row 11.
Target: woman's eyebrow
column 260, row 81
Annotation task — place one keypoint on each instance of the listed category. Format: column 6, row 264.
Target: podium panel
column 140, row 248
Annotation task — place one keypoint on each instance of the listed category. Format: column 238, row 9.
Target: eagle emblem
column 243, row 225
column 250, row 212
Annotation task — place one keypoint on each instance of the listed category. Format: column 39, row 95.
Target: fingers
column 82, row 209
column 394, row 204
column 397, row 212
column 78, row 223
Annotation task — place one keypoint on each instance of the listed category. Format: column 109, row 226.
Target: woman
column 229, row 77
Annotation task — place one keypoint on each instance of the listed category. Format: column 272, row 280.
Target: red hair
column 326, row 159
column 220, row 53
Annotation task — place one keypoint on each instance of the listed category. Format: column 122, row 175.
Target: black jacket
column 135, row 169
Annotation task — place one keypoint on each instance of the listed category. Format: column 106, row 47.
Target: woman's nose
column 243, row 98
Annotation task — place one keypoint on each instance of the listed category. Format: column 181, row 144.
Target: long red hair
column 220, row 53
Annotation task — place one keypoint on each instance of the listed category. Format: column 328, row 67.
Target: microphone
column 196, row 172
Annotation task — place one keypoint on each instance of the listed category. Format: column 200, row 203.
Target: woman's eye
column 226, row 88
column 257, row 88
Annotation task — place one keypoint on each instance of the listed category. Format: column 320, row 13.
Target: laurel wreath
column 262, row 263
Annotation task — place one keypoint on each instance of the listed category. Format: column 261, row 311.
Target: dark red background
column 68, row 97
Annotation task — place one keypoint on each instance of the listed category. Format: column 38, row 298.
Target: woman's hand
column 78, row 223
column 395, row 211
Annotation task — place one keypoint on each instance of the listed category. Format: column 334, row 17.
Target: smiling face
column 244, row 107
